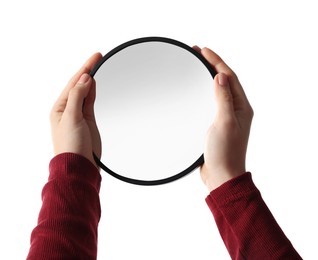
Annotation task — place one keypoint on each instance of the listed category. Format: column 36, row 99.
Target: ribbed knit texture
column 246, row 225
column 68, row 220
column 69, row 216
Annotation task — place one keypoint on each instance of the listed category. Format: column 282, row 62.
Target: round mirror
column 154, row 105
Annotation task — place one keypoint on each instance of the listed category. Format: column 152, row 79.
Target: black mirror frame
column 200, row 160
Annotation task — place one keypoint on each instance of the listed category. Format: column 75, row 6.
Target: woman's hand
column 72, row 117
column 227, row 137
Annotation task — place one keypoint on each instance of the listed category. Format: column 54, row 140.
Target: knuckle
column 234, row 77
column 250, row 112
column 231, row 74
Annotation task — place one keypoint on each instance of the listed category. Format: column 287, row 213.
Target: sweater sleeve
column 246, row 225
column 70, row 212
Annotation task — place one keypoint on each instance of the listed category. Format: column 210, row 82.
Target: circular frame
column 200, row 160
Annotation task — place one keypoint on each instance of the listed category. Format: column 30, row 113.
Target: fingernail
column 84, row 78
column 222, row 79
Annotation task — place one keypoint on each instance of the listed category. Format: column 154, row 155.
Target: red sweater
column 68, row 220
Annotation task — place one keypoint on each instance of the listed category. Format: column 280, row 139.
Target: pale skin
column 73, row 124
column 74, row 127
column 227, row 137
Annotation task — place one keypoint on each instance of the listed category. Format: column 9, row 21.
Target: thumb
column 223, row 96
column 77, row 96
column 88, row 107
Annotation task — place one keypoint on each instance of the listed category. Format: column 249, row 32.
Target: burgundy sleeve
column 246, row 225
column 70, row 212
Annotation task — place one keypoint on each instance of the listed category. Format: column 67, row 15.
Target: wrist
column 216, row 179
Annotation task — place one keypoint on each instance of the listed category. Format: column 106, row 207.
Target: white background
column 271, row 45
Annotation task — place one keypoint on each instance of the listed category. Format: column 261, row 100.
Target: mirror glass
column 154, row 105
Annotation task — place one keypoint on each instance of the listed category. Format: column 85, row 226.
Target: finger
column 60, row 104
column 197, row 48
column 239, row 97
column 77, row 96
column 88, row 108
column 86, row 68
column 215, row 60
column 223, row 96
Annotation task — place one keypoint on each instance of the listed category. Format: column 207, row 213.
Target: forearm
column 246, row 225
column 69, row 216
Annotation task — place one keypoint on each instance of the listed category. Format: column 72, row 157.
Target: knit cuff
column 232, row 190
column 74, row 165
